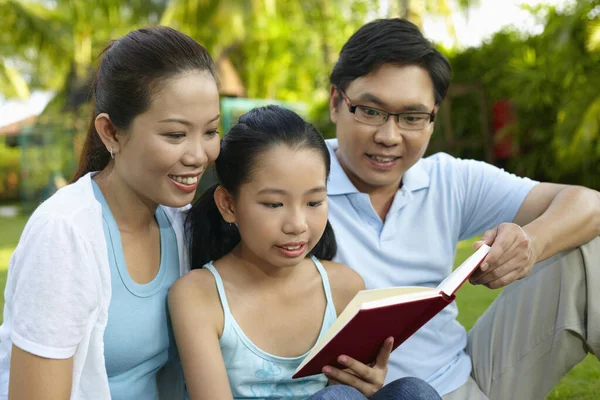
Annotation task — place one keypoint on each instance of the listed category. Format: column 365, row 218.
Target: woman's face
column 167, row 148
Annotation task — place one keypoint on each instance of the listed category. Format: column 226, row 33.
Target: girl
column 267, row 291
column 86, row 313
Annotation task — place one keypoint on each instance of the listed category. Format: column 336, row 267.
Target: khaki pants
column 537, row 329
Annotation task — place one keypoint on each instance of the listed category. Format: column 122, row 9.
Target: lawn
column 581, row 383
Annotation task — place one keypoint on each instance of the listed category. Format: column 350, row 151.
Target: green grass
column 580, row 383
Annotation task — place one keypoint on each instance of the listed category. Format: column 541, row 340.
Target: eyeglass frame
column 352, row 109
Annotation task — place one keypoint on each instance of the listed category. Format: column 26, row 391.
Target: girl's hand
column 366, row 379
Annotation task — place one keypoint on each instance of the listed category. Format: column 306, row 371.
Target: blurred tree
column 552, row 80
column 282, row 49
column 414, row 10
column 54, row 43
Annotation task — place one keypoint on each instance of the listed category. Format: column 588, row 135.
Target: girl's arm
column 197, row 318
column 368, row 379
column 33, row 377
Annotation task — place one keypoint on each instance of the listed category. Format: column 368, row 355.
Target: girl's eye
column 177, row 135
column 315, row 203
column 272, row 205
column 212, row 133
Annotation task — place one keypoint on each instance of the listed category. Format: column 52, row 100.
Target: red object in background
column 503, row 116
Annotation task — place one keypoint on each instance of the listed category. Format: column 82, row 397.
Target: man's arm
column 559, row 217
column 551, row 219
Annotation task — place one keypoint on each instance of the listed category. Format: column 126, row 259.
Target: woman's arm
column 197, row 319
column 33, row 377
column 54, row 295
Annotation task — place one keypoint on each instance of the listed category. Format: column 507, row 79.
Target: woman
column 86, row 312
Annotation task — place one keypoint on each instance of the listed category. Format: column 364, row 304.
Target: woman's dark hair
column 390, row 41
column 257, row 131
column 131, row 71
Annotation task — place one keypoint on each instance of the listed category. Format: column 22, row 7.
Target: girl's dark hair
column 131, row 71
column 390, row 41
column 257, row 131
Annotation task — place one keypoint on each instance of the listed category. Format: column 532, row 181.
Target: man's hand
column 366, row 379
column 511, row 257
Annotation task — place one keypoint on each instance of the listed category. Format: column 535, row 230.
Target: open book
column 374, row 315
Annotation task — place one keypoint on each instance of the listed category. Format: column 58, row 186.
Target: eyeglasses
column 410, row 121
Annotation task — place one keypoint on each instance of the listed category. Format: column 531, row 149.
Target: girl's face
column 282, row 211
column 168, row 147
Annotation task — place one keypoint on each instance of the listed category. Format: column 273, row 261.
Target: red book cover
column 396, row 312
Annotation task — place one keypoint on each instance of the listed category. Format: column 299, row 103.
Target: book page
column 366, row 296
column 460, row 274
column 369, row 299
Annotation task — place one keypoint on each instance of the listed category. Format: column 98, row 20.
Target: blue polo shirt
column 442, row 201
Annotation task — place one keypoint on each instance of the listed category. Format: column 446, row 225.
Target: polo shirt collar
column 414, row 179
column 338, row 183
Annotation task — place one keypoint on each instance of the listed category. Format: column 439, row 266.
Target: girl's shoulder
column 344, row 283
column 196, row 293
column 196, row 285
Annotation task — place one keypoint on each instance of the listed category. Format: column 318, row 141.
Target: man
column 398, row 218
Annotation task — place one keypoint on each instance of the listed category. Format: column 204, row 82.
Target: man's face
column 376, row 157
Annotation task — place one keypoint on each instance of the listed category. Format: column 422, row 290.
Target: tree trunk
column 404, row 8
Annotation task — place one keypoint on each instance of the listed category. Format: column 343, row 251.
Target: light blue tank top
column 138, row 339
column 255, row 374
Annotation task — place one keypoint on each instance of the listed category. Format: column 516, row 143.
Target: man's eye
column 413, row 118
column 370, row 112
column 315, row 203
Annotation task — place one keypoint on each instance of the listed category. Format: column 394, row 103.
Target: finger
column 504, row 281
column 500, row 246
column 346, row 378
column 520, row 247
column 500, row 271
column 502, row 242
column 488, row 237
column 384, row 353
column 355, row 367
column 505, row 258
column 518, row 256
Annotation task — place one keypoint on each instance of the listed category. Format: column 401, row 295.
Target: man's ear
column 436, row 108
column 225, row 203
column 333, row 104
column 107, row 132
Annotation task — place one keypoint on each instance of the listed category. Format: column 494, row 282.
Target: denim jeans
column 400, row 389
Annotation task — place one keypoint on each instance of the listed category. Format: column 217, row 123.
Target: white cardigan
column 59, row 288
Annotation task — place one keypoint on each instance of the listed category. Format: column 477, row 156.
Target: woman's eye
column 315, row 203
column 212, row 133
column 177, row 135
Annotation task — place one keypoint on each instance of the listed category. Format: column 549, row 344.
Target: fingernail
column 343, row 359
column 484, row 266
column 326, row 370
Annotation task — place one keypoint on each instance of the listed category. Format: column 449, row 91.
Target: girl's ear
column 225, row 203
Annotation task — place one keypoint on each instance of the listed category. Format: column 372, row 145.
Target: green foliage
column 10, row 159
column 552, row 80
